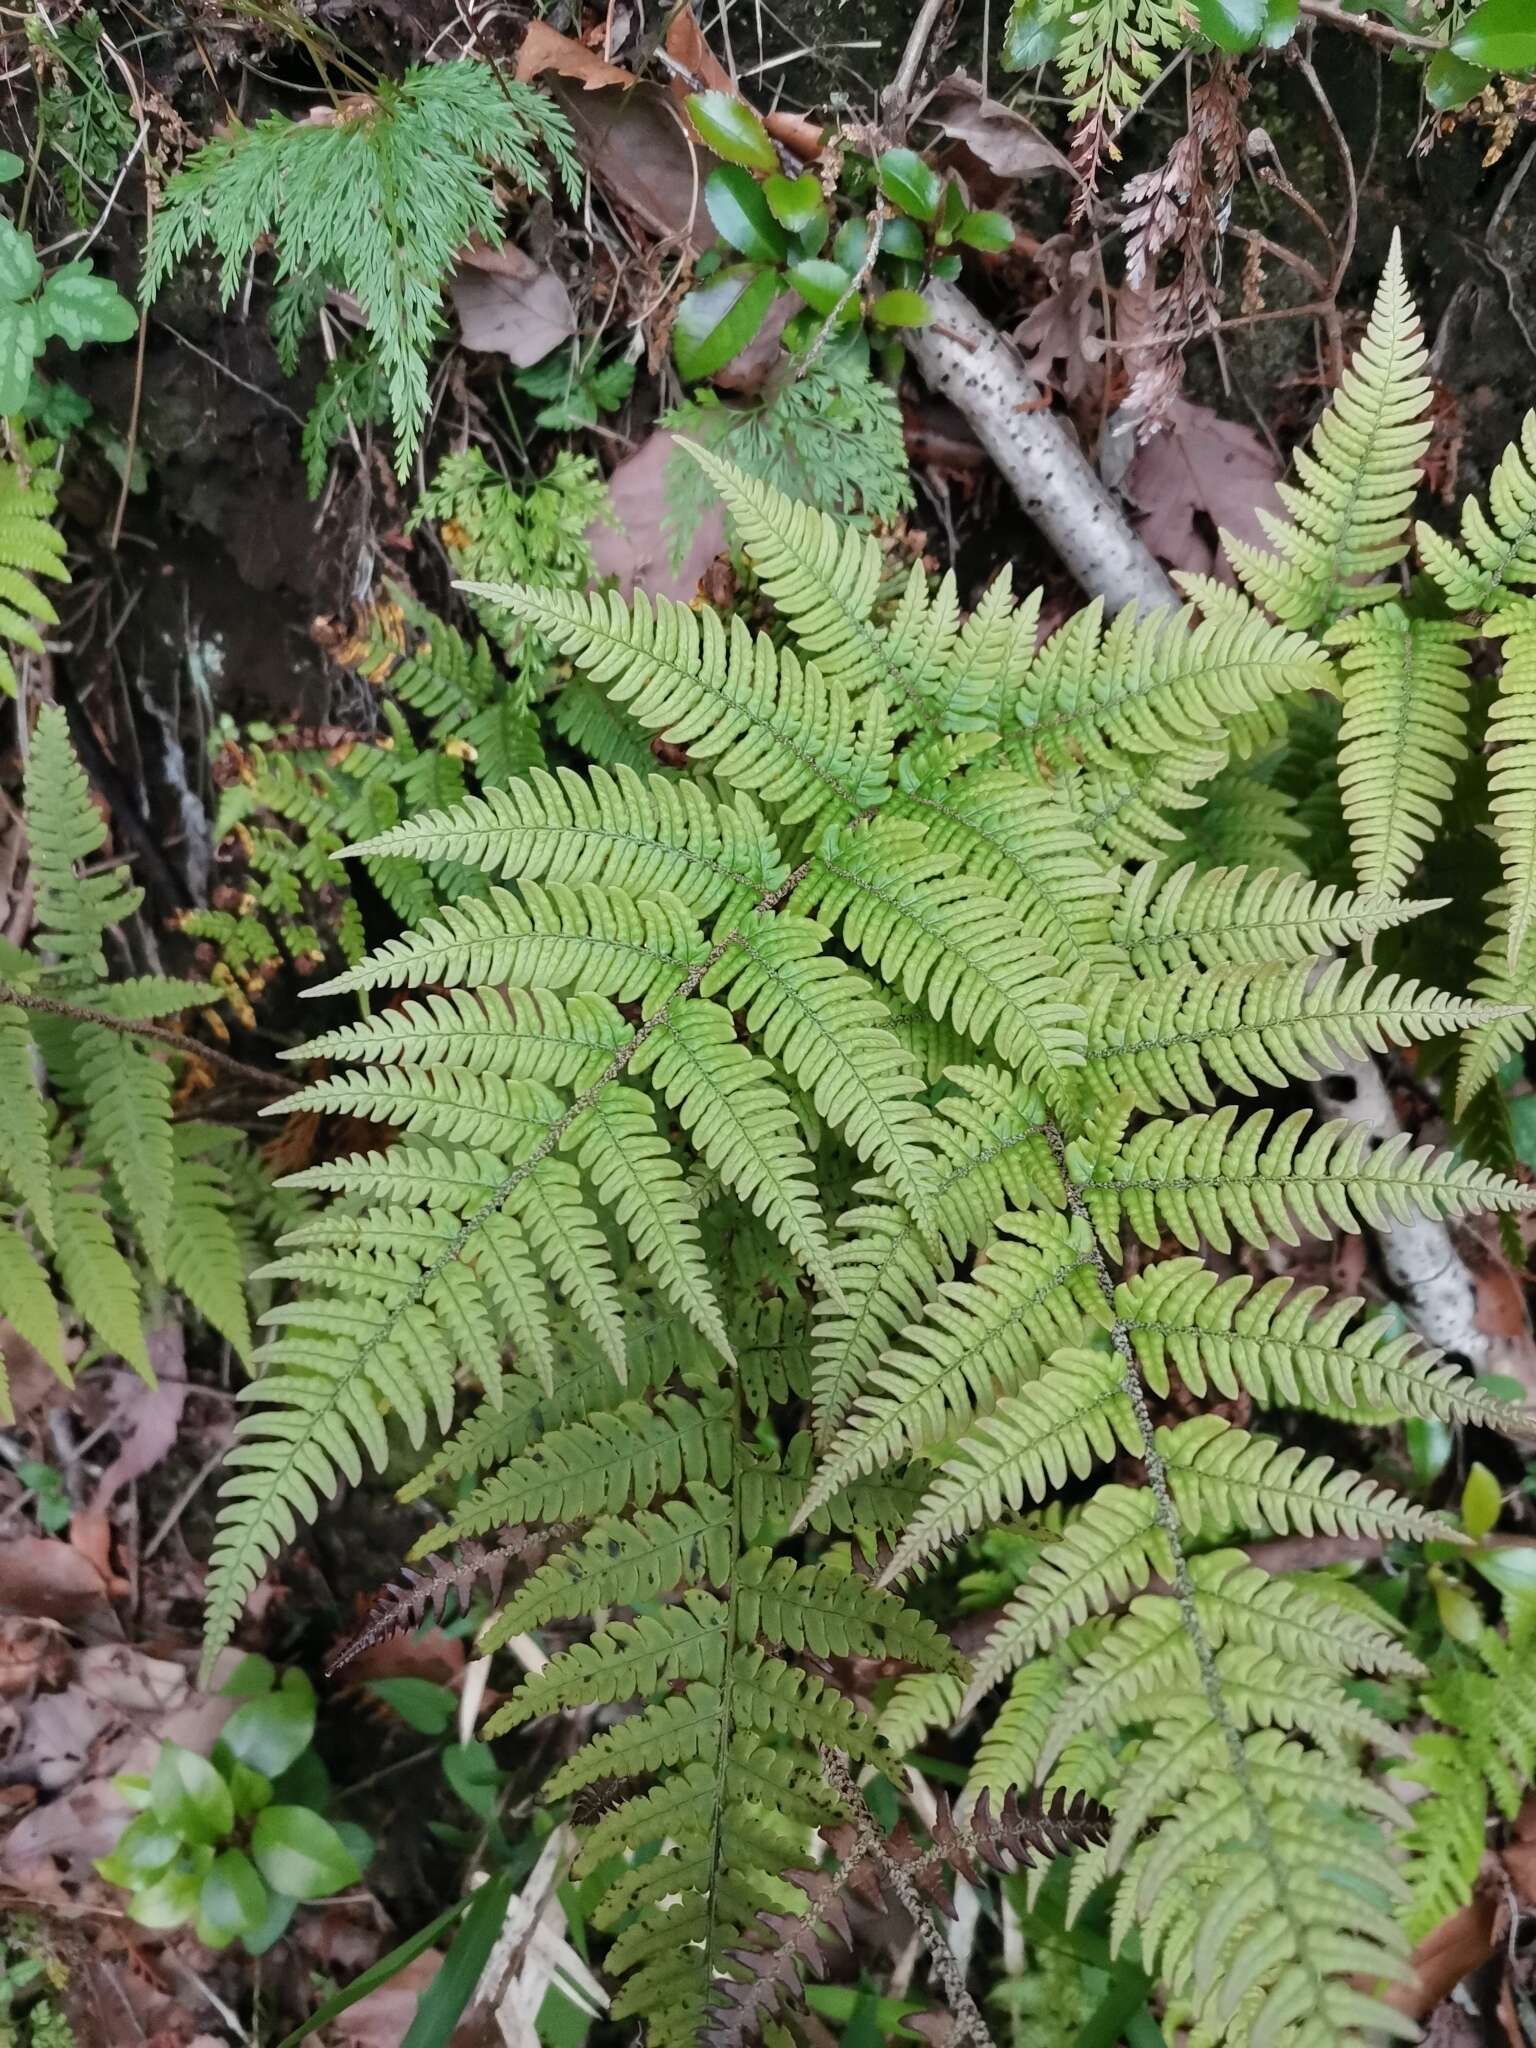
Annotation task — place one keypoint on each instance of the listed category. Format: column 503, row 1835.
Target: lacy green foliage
column 1108, row 52
column 83, row 117
column 30, row 546
column 376, row 196
column 104, row 1195
column 883, row 943
column 497, row 534
column 353, row 393
column 285, row 816
column 831, row 438
column 1483, row 1754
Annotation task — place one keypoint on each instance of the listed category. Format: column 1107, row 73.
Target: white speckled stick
column 965, row 359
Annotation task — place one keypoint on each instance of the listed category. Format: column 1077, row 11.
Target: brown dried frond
column 1181, row 208
column 420, row 1596
column 794, row 1945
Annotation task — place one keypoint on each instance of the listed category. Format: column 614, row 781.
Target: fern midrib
column 1082, row 723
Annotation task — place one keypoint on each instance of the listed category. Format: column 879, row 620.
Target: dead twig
column 159, row 1034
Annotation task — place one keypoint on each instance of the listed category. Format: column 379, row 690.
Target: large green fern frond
column 30, row 546
column 1512, row 770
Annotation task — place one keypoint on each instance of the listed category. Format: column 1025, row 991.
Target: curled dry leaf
column 633, row 137
column 1002, row 140
column 1062, row 339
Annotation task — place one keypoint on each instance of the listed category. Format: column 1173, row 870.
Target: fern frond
column 1223, row 1479
column 824, row 1024
column 1168, row 1040
column 976, row 1338
column 204, row 1258
column 1212, row 1178
column 600, row 941
column 530, row 1034
column 379, row 200
column 30, row 546
column 1350, row 511
column 764, row 723
column 1498, row 553
column 622, row 1456
column 97, row 1278
column 1280, row 1344
column 1073, row 1414
column 27, row 1304
column 992, row 1154
column 64, row 828
column 128, row 1123
column 1512, row 770
column 24, row 1152
column 926, row 928
column 1405, row 717
column 1162, row 683
column 830, row 1610
column 635, row 834
column 1226, row 917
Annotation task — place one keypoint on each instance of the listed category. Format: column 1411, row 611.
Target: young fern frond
column 1227, row 917
column 1497, row 555
column 1350, row 511
column 30, row 546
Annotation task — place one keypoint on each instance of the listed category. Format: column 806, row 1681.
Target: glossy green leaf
column 274, row 1925
column 379, row 1974
column 1033, row 35
column 132, row 1787
column 421, row 1705
column 821, row 284
column 718, row 319
column 1450, row 81
column 1501, row 35
column 11, row 166
column 1481, row 1500
column 251, row 1677
column 901, row 309
column 946, row 268
column 990, row 231
column 171, row 1901
column 850, row 246
column 1460, row 1616
column 80, row 307
column 301, row 1855
column 270, row 1732
column 231, row 1901
column 1281, row 21
column 439, row 2009
column 812, row 238
column 1511, row 1570
column 729, row 127
column 793, row 202
column 740, row 213
column 475, row 1776
column 187, row 1793
column 20, row 271
column 144, row 1848
column 904, row 240
column 1232, row 25
column 250, row 1790
column 909, row 183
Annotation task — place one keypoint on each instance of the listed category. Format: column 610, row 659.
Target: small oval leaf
column 909, row 183
column 990, row 231
column 729, row 127
column 901, row 309
column 1500, row 35
column 793, row 202
column 820, row 283
column 301, row 1855
column 739, row 209
column 718, row 319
